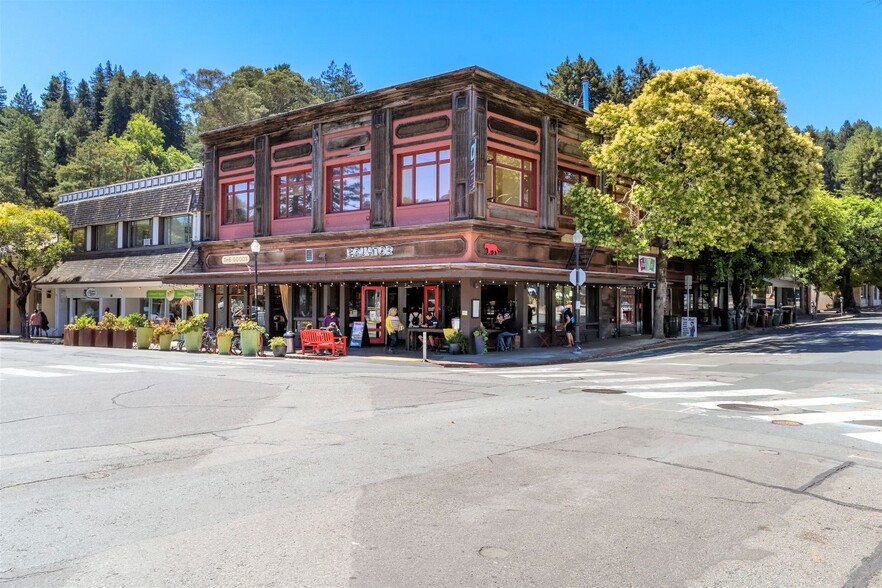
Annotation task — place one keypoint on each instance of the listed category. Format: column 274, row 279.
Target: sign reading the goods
column 235, row 259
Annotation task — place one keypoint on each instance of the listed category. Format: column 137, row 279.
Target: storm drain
column 787, row 423
column 740, row 406
column 602, row 391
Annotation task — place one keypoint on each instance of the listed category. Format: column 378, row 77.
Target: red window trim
column 533, row 172
column 329, row 190
column 436, row 164
column 277, row 189
column 225, row 202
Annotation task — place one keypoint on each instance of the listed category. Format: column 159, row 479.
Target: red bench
column 316, row 340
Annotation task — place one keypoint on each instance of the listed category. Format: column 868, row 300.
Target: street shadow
column 821, row 338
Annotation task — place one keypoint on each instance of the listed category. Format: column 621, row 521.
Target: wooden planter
column 87, row 338
column 103, row 337
column 72, row 337
column 123, row 339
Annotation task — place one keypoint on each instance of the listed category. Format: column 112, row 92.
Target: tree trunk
column 847, row 291
column 661, row 293
column 21, row 304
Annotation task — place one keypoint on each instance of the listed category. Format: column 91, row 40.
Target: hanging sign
column 198, row 293
column 235, row 259
column 357, row 334
column 645, row 264
column 90, row 293
column 473, row 156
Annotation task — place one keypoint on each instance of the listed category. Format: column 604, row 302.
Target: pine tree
column 21, row 152
column 617, row 87
column 335, row 82
column 2, row 97
column 116, row 111
column 165, row 112
column 99, row 92
column 84, row 100
column 566, row 82
column 640, row 74
column 53, row 91
column 24, row 102
column 64, row 100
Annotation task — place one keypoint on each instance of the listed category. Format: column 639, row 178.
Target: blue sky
column 825, row 56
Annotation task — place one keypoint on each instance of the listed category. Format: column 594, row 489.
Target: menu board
column 356, row 335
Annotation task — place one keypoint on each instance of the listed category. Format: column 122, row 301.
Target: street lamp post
column 255, row 249
column 577, row 287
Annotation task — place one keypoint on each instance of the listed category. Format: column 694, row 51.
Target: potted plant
column 224, row 340
column 192, row 329
column 124, row 331
column 71, row 335
column 163, row 333
column 279, row 346
column 143, row 329
column 457, row 343
column 104, row 330
column 480, row 335
column 86, row 327
column 250, row 333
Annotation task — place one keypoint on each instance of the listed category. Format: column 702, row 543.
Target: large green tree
column 860, row 165
column 22, row 147
column 709, row 161
column 862, row 244
column 32, row 242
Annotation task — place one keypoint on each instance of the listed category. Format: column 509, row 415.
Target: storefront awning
column 115, row 267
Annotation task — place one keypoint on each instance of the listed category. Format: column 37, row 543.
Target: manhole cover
column 747, row 407
column 602, row 391
column 493, row 552
column 788, row 423
column 866, row 423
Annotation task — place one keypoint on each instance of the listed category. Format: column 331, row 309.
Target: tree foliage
column 565, row 81
column 708, row 162
column 32, row 242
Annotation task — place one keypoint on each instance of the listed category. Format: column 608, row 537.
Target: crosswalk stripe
column 589, row 375
column 144, row 366
column 28, row 373
column 706, row 394
column 800, row 402
column 871, row 436
column 667, row 385
column 818, row 418
column 92, row 370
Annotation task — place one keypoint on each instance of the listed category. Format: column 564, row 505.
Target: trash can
column 672, row 325
column 289, row 340
column 787, row 315
column 776, row 317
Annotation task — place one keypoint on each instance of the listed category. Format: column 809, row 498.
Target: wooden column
column 469, row 124
column 382, row 199
column 262, row 189
column 318, row 180
column 209, row 195
column 549, row 204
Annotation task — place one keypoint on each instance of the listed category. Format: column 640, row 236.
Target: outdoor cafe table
column 412, row 332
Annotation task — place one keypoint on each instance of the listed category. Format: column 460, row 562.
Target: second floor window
column 78, row 238
column 425, row 177
column 177, row 229
column 566, row 179
column 105, row 237
column 510, row 180
column 140, row 233
column 349, row 187
column 238, row 201
column 294, row 195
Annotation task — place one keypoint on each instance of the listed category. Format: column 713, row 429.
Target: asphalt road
column 749, row 463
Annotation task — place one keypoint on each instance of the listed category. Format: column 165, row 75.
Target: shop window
column 424, row 177
column 302, row 301
column 78, row 238
column 566, row 179
column 221, row 320
column 294, row 195
column 105, row 237
column 238, row 202
column 177, row 229
column 139, row 233
column 510, row 180
column 349, row 187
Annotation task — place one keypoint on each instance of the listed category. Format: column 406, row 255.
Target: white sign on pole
column 645, row 264
column 688, row 282
column 235, row 259
column 577, row 277
column 689, row 326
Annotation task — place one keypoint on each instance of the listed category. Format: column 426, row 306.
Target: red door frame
column 376, row 336
column 426, row 297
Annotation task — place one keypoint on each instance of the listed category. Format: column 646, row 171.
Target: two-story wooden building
column 441, row 193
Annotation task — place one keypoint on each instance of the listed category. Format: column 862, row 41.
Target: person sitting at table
column 414, row 318
column 433, row 341
column 509, row 331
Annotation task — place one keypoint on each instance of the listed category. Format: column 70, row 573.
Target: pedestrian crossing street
column 67, row 370
column 712, row 397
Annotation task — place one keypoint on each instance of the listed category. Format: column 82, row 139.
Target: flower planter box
column 165, row 342
column 193, row 341
column 123, row 339
column 72, row 337
column 103, row 338
column 87, row 338
column 250, row 342
column 143, row 336
column 223, row 345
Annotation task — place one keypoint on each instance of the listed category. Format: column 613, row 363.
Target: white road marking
column 872, row 436
column 91, row 370
column 817, row 418
column 825, row 401
column 144, row 366
column 706, row 394
column 28, row 373
column 595, row 375
column 667, row 385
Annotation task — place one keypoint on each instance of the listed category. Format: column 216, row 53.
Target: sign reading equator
column 235, row 259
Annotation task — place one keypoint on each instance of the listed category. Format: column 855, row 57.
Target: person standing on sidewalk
column 35, row 324
column 44, row 323
column 393, row 327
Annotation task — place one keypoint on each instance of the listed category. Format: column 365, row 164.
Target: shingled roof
column 165, row 195
column 98, row 267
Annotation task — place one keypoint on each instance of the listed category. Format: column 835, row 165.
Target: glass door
column 373, row 313
column 430, row 300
